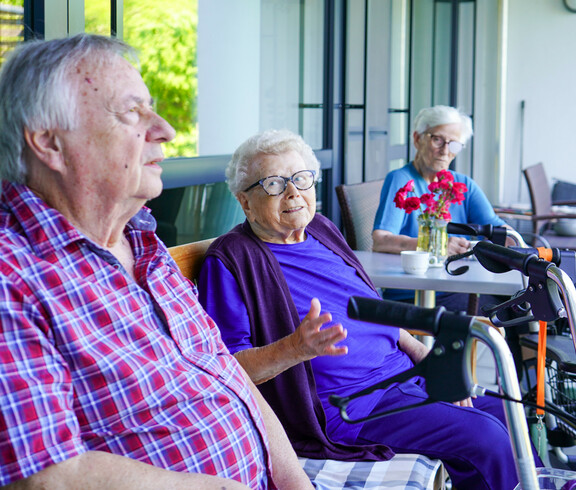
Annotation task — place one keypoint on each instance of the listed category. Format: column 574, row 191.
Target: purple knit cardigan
column 273, row 315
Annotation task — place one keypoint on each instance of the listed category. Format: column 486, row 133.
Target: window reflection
column 164, row 33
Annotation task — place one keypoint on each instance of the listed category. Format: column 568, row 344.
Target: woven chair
column 189, row 257
column 358, row 205
column 543, row 218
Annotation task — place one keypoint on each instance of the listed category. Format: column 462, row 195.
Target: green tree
column 164, row 33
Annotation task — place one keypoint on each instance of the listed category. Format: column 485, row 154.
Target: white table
column 386, row 271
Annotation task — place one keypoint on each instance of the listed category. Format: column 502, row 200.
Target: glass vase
column 433, row 238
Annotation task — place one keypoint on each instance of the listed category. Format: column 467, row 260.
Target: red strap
column 540, row 367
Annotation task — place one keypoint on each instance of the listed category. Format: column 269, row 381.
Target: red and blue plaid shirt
column 91, row 360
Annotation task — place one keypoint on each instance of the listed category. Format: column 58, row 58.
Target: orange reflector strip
column 541, row 366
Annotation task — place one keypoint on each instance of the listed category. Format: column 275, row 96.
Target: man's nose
column 160, row 130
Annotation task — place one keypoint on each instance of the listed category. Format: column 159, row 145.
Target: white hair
column 442, row 114
column 36, row 91
column 271, row 142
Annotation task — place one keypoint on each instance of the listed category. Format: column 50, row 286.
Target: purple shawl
column 273, row 315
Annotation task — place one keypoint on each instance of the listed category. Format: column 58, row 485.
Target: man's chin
column 150, row 193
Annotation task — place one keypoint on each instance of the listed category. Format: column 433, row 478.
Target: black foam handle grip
column 498, row 259
column 496, row 234
column 462, row 229
column 395, row 314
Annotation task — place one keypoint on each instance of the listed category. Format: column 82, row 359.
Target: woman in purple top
column 266, row 284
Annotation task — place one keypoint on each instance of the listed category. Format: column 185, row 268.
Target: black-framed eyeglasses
column 439, row 142
column 275, row 185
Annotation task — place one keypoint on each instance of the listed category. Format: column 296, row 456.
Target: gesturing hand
column 311, row 340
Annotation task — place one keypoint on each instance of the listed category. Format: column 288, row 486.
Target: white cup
column 414, row 262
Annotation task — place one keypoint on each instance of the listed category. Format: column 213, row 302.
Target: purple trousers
column 473, row 443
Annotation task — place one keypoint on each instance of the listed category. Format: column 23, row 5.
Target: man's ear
column 45, row 145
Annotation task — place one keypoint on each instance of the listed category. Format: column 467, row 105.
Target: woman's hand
column 457, row 245
column 311, row 340
column 467, row 402
column 308, row 341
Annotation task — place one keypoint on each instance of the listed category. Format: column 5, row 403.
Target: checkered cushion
column 403, row 471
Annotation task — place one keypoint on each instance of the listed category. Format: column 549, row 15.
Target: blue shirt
column 476, row 209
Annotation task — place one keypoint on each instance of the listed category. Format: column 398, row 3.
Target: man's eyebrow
column 141, row 101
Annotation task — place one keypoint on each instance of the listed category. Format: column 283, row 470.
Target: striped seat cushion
column 403, row 471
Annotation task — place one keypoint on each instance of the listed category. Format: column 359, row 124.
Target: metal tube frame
column 568, row 291
column 508, row 380
column 515, row 416
column 516, row 237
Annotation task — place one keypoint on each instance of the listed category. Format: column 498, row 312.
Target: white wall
column 228, row 73
column 248, row 70
column 541, row 71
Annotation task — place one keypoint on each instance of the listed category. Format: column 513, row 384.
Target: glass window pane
column 11, row 26
column 442, row 53
column 164, row 33
column 220, row 71
column 312, row 72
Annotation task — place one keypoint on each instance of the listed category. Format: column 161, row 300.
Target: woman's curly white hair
column 270, row 142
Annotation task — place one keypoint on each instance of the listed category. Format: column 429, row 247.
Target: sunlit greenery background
column 11, row 25
column 168, row 64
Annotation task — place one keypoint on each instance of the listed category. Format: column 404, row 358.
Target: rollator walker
column 549, row 294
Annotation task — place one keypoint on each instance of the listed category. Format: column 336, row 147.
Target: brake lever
column 452, row 258
column 544, row 303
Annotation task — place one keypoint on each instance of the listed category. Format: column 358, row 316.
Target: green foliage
column 164, row 33
column 11, row 26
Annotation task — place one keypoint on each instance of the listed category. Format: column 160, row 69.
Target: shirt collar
column 45, row 227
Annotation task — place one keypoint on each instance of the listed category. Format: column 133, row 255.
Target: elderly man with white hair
column 113, row 376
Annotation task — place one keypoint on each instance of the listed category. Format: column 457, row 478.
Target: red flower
column 443, row 192
column 411, row 204
column 445, row 175
column 400, row 197
column 428, row 199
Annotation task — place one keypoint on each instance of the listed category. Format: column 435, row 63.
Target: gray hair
column 271, row 142
column 36, row 92
column 442, row 114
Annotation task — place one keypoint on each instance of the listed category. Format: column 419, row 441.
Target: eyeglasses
column 276, row 184
column 439, row 142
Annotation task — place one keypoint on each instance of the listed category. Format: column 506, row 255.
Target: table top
column 386, row 271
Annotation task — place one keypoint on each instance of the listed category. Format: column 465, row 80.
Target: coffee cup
column 414, row 262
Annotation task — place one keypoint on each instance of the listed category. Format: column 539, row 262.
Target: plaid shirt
column 91, row 360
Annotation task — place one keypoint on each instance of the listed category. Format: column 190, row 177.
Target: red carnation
column 411, row 204
column 443, row 192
